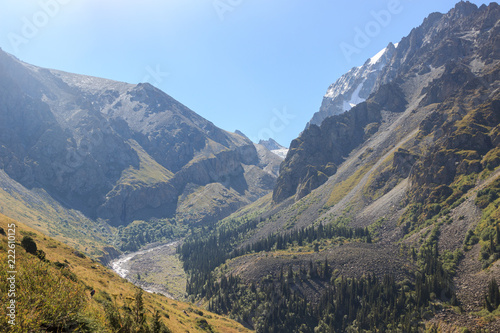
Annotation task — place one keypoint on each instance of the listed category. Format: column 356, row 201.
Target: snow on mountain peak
column 354, row 87
column 376, row 57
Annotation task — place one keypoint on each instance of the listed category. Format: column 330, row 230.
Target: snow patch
column 376, row 57
column 355, row 99
column 280, row 152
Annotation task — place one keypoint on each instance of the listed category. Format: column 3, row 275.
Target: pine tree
column 493, row 298
column 139, row 312
column 497, row 229
column 29, row 244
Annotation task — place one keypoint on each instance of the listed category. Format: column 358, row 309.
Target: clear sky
column 260, row 66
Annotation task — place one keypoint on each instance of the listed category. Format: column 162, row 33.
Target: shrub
column 29, row 244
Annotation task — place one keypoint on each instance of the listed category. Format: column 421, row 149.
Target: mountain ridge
column 353, row 87
column 403, row 57
column 384, row 217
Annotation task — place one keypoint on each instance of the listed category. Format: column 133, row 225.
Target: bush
column 79, row 254
column 29, row 245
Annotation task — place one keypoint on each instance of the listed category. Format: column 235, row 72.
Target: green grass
column 149, row 172
column 342, row 189
column 41, row 212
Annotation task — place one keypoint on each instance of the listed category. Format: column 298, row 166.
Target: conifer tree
column 493, row 298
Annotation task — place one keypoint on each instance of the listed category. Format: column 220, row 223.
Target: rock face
column 274, row 147
column 316, row 154
column 447, row 53
column 114, row 150
column 354, row 87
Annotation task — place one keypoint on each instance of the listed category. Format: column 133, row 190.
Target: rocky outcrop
column 403, row 162
column 463, row 145
column 316, row 154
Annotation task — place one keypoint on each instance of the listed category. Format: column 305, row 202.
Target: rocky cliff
column 417, row 165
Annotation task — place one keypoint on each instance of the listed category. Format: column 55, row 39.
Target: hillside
column 384, row 217
column 53, row 294
column 81, row 156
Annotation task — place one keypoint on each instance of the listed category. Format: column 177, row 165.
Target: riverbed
column 156, row 269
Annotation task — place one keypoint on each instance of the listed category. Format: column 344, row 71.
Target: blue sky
column 260, row 66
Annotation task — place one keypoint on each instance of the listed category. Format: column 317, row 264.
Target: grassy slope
column 149, row 172
column 43, row 213
column 92, row 275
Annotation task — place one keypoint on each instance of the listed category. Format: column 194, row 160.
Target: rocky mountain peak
column 354, row 87
column 270, row 144
column 463, row 9
column 274, row 147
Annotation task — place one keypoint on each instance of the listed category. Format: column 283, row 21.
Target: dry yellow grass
column 178, row 316
column 342, row 189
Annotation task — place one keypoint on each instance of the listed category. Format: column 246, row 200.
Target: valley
column 383, row 215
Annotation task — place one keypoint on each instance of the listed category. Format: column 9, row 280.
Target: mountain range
column 383, row 215
column 118, row 152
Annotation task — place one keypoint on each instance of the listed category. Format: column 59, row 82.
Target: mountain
column 274, row 147
column 120, row 152
column 384, row 217
column 353, row 87
column 423, row 61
